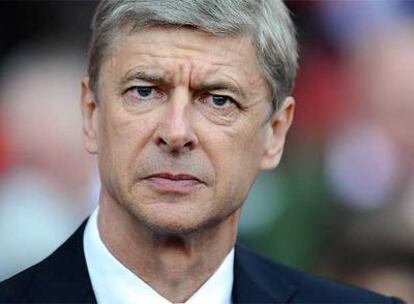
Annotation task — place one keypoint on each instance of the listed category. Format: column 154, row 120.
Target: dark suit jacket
column 63, row 278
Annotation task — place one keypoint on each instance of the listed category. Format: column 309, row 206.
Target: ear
column 89, row 110
column 277, row 129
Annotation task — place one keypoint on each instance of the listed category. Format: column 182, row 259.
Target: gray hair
column 267, row 21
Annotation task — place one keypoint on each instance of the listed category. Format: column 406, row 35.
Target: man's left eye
column 220, row 101
column 220, row 109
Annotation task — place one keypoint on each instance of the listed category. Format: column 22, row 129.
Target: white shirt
column 112, row 282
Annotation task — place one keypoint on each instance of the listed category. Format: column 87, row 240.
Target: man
column 185, row 103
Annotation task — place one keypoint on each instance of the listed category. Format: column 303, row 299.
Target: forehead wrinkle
column 175, row 69
column 193, row 65
column 205, row 59
column 200, row 74
column 153, row 53
column 155, row 48
column 181, row 73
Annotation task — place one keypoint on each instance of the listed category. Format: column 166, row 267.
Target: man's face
column 181, row 127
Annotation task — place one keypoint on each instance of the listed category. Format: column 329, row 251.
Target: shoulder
column 61, row 275
column 13, row 288
column 304, row 288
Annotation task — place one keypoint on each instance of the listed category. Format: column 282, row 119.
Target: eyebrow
column 143, row 75
column 154, row 77
column 221, row 85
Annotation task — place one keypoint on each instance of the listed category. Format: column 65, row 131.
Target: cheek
column 236, row 158
column 122, row 139
column 245, row 145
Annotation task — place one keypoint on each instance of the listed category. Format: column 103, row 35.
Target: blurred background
column 341, row 203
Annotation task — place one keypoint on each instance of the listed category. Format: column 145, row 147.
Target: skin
column 175, row 234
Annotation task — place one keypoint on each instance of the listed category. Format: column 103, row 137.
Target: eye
column 144, row 91
column 138, row 94
column 139, row 99
column 220, row 101
column 220, row 109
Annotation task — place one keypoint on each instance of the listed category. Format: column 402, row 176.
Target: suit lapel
column 255, row 280
column 63, row 277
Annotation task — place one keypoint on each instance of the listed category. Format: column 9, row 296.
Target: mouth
column 173, row 183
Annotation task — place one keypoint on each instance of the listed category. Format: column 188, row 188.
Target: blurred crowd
column 340, row 204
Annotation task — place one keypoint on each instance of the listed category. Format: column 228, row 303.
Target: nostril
column 189, row 145
column 160, row 141
column 174, row 147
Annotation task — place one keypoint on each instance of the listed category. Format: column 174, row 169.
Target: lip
column 173, row 183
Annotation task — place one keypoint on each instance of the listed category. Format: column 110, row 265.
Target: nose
column 175, row 133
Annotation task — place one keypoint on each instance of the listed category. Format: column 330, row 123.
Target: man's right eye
column 137, row 94
column 144, row 91
column 143, row 98
column 141, row 92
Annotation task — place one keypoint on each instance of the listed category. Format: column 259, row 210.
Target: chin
column 173, row 229
column 178, row 224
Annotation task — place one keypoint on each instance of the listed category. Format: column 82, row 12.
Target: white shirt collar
column 112, row 282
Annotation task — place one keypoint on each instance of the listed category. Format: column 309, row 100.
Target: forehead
column 185, row 38
column 197, row 53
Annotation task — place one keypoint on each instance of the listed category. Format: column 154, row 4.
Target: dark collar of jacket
column 63, row 278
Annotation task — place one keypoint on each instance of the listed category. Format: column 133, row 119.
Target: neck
column 174, row 265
